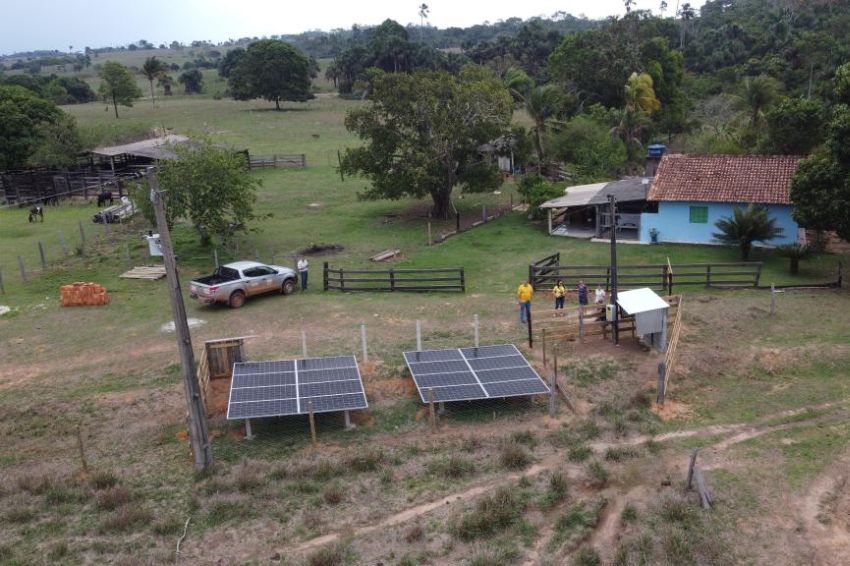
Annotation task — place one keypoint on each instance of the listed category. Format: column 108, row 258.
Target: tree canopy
column 272, row 70
column 153, row 69
column 422, row 134
column 118, row 85
column 210, row 186
column 22, row 114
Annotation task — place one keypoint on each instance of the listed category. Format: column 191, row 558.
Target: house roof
column 155, row 148
column 628, row 189
column 578, row 195
column 640, row 300
column 760, row 179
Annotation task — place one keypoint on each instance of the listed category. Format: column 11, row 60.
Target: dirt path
column 825, row 513
column 606, row 533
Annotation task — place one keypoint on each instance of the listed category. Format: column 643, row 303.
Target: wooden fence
column 216, row 362
column 582, row 322
column 263, row 161
column 658, row 276
column 392, row 280
column 665, row 368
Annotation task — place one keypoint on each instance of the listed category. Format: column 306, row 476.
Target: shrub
column 333, row 495
column 579, row 453
column 502, row 556
column 617, row 454
column 597, row 474
column 513, row 456
column 453, row 467
column 103, row 480
column 332, row 555
column 525, row 437
column 556, row 492
column 127, row 518
column 586, row 557
column 414, row 533
column 491, row 514
column 630, row 514
column 112, row 498
column 536, row 190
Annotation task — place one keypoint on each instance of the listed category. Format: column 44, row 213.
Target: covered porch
column 572, row 214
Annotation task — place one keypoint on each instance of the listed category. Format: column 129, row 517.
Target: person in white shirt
column 599, row 297
column 302, row 270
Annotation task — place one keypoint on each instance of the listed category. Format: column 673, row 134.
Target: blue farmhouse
column 694, row 192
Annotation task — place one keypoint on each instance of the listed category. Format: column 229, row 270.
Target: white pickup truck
column 234, row 282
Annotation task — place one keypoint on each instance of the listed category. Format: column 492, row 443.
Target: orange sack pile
column 80, row 294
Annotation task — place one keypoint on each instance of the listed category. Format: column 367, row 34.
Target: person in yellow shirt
column 523, row 294
column 560, row 294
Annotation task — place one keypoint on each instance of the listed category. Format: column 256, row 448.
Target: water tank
column 656, row 149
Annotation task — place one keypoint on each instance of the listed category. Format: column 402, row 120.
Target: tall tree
column 745, row 226
column 192, row 81
column 424, row 10
column 422, row 132
column 152, row 69
column 210, row 186
column 757, row 94
column 272, row 70
column 22, row 112
column 118, row 85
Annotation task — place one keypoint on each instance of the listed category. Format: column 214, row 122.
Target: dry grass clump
column 112, row 498
column 332, row 555
column 103, row 480
column 454, row 467
column 333, row 495
column 128, row 517
column 415, row 533
column 491, row 514
column 513, row 456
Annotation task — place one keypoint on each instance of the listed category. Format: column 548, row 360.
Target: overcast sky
column 27, row 25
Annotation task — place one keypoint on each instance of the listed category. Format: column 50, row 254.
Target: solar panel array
column 465, row 374
column 288, row 387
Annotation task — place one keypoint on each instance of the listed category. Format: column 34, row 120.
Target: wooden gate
column 222, row 354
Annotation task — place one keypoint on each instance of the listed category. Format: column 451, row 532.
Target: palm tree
column 152, row 69
column 794, row 253
column 745, row 226
column 757, row 94
column 543, row 103
column 634, row 122
column 423, row 15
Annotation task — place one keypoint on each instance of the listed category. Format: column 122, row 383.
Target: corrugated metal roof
column 154, row 148
column 640, row 300
column 629, row 189
column 578, row 195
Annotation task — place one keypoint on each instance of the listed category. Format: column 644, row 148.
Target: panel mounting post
column 477, row 332
column 249, row 434
column 303, row 344
column 418, row 336
column 347, row 416
column 312, row 423
column 431, row 416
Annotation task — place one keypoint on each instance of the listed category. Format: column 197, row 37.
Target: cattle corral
column 764, row 397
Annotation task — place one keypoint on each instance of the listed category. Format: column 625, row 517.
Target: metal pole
column 62, row 243
column 553, row 385
column 430, row 240
column 198, row 434
column 249, row 434
column 2, row 287
column 23, row 270
column 477, row 332
column 530, row 339
column 347, row 416
column 543, row 341
column 215, row 257
column 363, row 341
column 312, row 423
column 432, row 417
column 418, row 336
column 41, row 254
column 616, row 322
column 303, row 344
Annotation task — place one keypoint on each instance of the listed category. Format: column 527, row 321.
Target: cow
column 104, row 197
column 36, row 212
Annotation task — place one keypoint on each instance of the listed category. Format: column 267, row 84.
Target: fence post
column 341, row 279
column 215, row 257
column 670, row 283
column 758, row 275
column 462, row 281
column 127, row 255
column 581, row 323
column 2, row 287
column 530, row 339
column 82, row 238
column 430, row 241
column 543, row 341
column 392, row 279
column 664, row 277
column 312, row 423
column 553, row 385
column 304, row 344
column 457, row 222
column 531, row 276
column 363, row 341
column 41, row 254
column 661, row 391
column 325, row 276
column 708, row 275
column 772, row 299
column 418, row 336
column 475, row 318
column 23, row 270
column 62, row 243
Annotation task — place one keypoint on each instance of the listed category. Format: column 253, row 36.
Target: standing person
column 523, row 294
column 559, row 292
column 302, row 270
column 582, row 293
column 599, row 297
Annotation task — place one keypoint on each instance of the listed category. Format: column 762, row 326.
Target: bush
column 597, row 474
column 415, row 533
column 514, row 456
column 586, row 557
column 491, row 514
column 127, row 518
column 630, row 514
column 536, row 190
column 333, row 495
column 579, row 453
column 103, row 480
column 453, row 467
column 332, row 555
column 112, row 498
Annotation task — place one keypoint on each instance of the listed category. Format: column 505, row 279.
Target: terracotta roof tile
column 762, row 179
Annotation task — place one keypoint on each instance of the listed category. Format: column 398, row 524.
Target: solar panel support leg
column 441, row 408
column 249, row 434
column 477, row 332
column 304, row 343
column 553, row 385
column 312, row 417
column 347, row 416
column 431, row 416
column 418, row 336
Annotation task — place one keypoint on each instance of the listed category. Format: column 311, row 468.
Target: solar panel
column 290, row 387
column 465, row 374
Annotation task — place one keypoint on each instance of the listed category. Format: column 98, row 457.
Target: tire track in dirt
column 825, row 512
column 745, row 432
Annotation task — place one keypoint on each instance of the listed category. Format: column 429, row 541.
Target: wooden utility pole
column 198, row 434
column 615, row 328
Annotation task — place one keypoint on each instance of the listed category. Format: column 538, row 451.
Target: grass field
column 764, row 397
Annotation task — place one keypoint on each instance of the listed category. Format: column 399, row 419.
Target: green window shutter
column 699, row 215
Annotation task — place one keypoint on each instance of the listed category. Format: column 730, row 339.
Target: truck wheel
column 288, row 287
column 237, row 299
